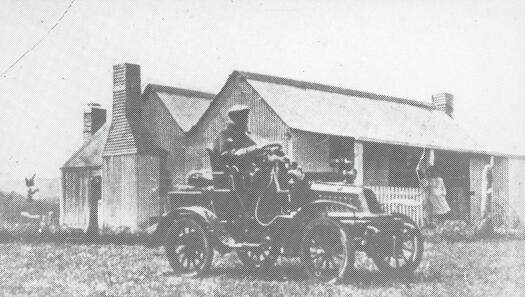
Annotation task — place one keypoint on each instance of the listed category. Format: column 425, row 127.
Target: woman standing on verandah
column 435, row 205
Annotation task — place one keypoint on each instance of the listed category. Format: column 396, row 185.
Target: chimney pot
column 444, row 102
column 94, row 119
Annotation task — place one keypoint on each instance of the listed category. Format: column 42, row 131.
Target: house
column 385, row 136
column 119, row 174
column 122, row 172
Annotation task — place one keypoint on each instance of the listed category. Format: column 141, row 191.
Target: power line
column 39, row 41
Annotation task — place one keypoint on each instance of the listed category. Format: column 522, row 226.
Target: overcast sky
column 412, row 49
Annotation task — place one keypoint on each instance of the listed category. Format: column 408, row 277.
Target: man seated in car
column 238, row 147
column 235, row 146
column 235, row 137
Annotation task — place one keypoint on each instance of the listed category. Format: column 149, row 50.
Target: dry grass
column 484, row 268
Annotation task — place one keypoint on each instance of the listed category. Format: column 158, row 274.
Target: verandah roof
column 364, row 116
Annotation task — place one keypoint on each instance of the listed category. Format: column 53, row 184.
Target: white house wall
column 517, row 187
column 120, row 191
column 75, row 199
column 148, row 204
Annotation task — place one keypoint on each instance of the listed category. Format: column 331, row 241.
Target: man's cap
column 238, row 109
column 237, row 112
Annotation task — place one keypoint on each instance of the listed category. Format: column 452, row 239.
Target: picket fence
column 408, row 201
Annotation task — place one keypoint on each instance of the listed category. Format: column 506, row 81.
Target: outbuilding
column 118, row 176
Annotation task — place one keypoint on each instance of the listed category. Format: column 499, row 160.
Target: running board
column 245, row 245
column 230, row 242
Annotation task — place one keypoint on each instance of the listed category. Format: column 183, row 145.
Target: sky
column 411, row 49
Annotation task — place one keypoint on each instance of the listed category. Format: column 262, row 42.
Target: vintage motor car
column 271, row 212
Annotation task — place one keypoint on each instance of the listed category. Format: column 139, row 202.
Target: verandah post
column 358, row 162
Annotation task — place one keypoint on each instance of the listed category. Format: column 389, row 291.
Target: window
column 402, row 167
column 341, row 148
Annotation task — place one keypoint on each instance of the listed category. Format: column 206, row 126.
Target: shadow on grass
column 363, row 278
column 273, row 273
column 239, row 272
column 375, row 278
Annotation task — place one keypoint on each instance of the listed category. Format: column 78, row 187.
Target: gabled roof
column 90, row 153
column 185, row 106
column 327, row 88
column 331, row 110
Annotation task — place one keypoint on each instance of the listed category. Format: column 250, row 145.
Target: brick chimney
column 126, row 92
column 444, row 102
column 94, row 119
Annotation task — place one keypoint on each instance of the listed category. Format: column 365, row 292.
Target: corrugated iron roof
column 90, row 154
column 185, row 106
column 365, row 116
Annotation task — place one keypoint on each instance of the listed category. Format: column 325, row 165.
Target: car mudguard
column 204, row 216
column 304, row 215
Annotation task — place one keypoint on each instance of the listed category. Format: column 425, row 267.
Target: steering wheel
column 257, row 149
column 269, row 147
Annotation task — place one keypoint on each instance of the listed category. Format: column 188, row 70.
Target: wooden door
column 94, row 196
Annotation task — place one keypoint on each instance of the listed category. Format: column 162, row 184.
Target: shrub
column 123, row 235
column 33, row 232
column 458, row 230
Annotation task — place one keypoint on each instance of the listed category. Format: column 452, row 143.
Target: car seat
column 221, row 178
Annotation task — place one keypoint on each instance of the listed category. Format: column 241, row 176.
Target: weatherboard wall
column 166, row 134
column 75, row 197
column 130, row 186
column 120, row 190
column 148, row 189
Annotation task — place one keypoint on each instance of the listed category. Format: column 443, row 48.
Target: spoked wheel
column 188, row 248
column 326, row 252
column 405, row 248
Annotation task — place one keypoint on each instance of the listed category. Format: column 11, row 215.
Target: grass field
column 484, row 268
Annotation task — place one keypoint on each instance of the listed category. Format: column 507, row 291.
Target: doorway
column 454, row 167
column 95, row 194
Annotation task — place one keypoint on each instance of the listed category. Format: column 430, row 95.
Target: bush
column 33, row 232
column 123, row 235
column 461, row 231
column 456, row 230
column 451, row 231
column 25, row 220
